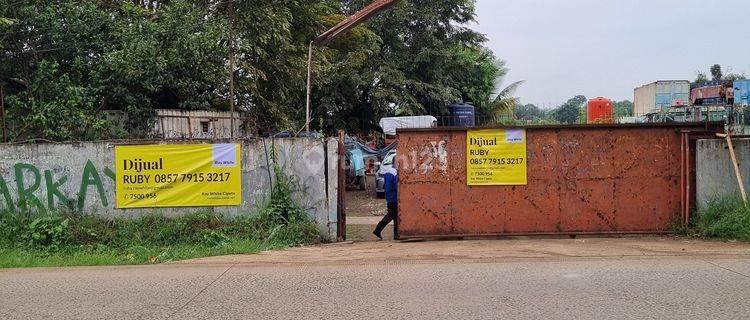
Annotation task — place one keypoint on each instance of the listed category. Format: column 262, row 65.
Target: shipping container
column 600, row 110
column 742, row 92
column 660, row 95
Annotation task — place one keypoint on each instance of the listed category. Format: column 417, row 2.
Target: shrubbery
column 27, row 237
column 727, row 218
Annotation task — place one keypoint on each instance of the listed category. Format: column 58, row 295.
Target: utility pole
column 367, row 13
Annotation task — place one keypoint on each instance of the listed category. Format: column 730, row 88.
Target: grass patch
column 53, row 239
column 726, row 218
column 67, row 239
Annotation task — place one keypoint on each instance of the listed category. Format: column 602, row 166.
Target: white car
column 386, row 165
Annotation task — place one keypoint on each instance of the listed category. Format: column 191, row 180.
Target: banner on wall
column 157, row 176
column 496, row 157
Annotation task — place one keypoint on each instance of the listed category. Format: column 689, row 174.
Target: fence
column 187, row 126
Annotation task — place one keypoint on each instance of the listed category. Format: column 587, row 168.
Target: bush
column 727, row 218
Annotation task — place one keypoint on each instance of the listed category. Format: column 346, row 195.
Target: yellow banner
column 496, row 157
column 157, row 176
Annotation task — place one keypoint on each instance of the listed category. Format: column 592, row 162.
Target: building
column 660, row 95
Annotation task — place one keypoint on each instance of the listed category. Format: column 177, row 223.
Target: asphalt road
column 545, row 279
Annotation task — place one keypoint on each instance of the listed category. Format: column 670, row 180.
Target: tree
column 528, row 112
column 570, row 111
column 735, row 76
column 716, row 72
column 623, row 109
column 414, row 59
column 82, row 59
column 701, row 77
column 505, row 102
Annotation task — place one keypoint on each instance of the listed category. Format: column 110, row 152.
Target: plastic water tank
column 600, row 110
column 461, row 115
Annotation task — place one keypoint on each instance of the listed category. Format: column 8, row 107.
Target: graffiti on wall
column 29, row 181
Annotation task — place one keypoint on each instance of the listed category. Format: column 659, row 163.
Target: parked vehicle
column 386, row 165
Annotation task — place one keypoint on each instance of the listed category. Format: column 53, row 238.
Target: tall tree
column 424, row 59
column 570, row 111
column 716, row 72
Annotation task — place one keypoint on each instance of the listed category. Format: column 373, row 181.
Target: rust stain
column 580, row 179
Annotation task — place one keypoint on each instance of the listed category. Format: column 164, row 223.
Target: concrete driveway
column 654, row 278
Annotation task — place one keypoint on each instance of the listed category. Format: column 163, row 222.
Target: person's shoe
column 377, row 234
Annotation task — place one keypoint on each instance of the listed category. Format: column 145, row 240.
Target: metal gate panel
column 581, row 180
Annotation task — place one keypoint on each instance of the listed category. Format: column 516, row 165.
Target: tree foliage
column 82, row 59
column 716, row 72
column 570, row 111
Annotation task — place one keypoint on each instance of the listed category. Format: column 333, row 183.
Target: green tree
column 623, row 109
column 528, row 112
column 735, row 76
column 570, row 111
column 716, row 72
column 701, row 77
column 424, row 58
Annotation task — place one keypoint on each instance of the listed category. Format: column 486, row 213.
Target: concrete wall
column 715, row 175
column 80, row 177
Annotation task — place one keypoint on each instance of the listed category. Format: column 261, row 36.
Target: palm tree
column 505, row 102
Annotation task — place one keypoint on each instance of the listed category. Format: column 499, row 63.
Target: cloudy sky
column 608, row 47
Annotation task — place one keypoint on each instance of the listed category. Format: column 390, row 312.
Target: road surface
column 502, row 279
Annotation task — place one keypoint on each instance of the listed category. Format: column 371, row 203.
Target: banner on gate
column 496, row 157
column 155, row 176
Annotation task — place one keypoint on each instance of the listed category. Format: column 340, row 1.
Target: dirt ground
column 365, row 203
column 363, row 212
column 387, row 252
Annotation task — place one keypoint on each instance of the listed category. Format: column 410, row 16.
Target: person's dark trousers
column 391, row 215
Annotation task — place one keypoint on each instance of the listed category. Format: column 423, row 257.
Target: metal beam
column 350, row 22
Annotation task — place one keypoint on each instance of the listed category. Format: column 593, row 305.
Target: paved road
column 542, row 279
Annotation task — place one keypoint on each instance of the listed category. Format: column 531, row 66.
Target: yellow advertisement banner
column 496, row 157
column 157, row 176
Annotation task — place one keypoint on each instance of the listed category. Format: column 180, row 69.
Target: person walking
column 390, row 186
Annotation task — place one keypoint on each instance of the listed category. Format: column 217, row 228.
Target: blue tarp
column 352, row 144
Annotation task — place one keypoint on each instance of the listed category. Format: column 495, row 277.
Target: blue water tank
column 461, row 115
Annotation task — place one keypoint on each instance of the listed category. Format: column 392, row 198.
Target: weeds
column 63, row 239
column 726, row 218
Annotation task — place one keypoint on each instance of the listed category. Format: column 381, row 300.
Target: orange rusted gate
column 598, row 179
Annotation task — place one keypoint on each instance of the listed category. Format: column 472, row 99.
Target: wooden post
column 736, row 165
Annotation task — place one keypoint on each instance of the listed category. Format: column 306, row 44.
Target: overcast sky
column 608, row 47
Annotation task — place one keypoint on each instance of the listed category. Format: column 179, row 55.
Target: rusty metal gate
column 597, row 179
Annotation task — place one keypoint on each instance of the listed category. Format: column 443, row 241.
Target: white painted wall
column 45, row 168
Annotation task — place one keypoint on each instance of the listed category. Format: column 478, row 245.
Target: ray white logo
column 224, row 155
column 514, row 136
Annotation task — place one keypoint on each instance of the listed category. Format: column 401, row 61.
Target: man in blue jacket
column 391, row 198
